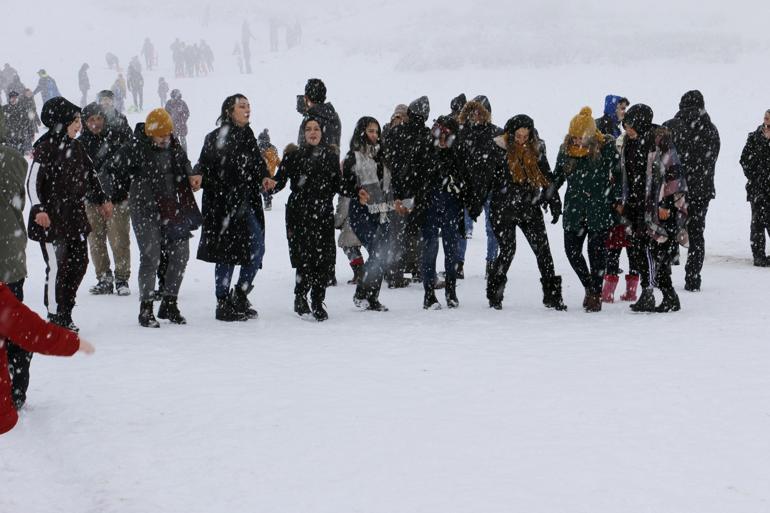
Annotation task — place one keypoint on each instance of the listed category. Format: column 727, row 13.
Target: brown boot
column 593, row 302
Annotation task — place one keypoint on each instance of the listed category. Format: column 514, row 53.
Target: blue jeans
column 223, row 273
column 443, row 212
column 375, row 237
column 492, row 248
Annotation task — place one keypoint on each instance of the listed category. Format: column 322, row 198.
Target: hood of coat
column 476, row 107
column 611, row 107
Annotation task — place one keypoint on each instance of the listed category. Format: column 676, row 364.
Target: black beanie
column 457, row 103
column 58, row 113
column 420, row 108
column 484, row 101
column 692, row 100
column 518, row 121
column 92, row 109
column 448, row 122
column 639, row 117
column 315, row 90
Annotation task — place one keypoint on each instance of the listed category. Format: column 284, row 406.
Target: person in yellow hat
column 160, row 181
column 589, row 162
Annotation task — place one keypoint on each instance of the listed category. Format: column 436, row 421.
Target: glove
column 555, row 205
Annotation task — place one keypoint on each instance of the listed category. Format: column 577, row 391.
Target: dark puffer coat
column 314, row 174
column 697, row 142
column 62, row 176
column 233, row 171
column 755, row 161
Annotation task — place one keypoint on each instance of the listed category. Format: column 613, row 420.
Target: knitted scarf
column 584, row 151
column 523, row 165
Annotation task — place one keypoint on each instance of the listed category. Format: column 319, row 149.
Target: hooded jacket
column 13, row 232
column 755, row 161
column 609, row 123
column 697, row 143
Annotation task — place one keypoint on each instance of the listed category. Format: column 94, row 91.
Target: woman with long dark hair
column 233, row 233
column 368, row 182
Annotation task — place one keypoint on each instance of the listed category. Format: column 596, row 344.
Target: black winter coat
column 512, row 203
column 62, row 176
column 20, row 129
column 314, row 174
column 755, row 161
column 696, row 140
column 634, row 154
column 233, row 171
column 479, row 157
column 157, row 183
column 404, row 151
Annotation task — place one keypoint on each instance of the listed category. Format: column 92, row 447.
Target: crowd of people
column 401, row 189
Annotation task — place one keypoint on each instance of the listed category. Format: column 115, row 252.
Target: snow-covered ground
column 413, row 411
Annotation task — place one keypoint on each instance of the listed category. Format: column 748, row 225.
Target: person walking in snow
column 163, row 91
column 270, row 155
column 522, row 182
column 19, row 126
column 13, row 256
column 315, row 105
column 101, row 147
column 46, row 86
column 368, row 185
column 84, row 84
column 755, row 161
column 588, row 162
column 697, row 143
column 180, row 113
column 233, row 173
column 62, row 175
column 148, row 51
column 313, row 172
column 163, row 210
column 135, row 83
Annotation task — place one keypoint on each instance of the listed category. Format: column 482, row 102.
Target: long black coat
column 479, row 156
column 755, row 161
column 696, row 140
column 315, row 178
column 405, row 150
column 232, row 170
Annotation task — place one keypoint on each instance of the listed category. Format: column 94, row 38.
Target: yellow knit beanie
column 158, row 123
column 583, row 125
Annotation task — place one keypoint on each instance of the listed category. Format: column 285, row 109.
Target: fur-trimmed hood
column 475, row 106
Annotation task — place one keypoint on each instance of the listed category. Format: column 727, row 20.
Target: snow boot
column 761, row 261
column 64, row 319
column 552, row 293
column 300, row 305
column 460, row 270
column 495, row 288
column 608, row 289
column 692, row 283
column 488, row 269
column 226, row 311
column 646, row 301
column 592, row 301
column 121, row 288
column 103, row 286
column 632, row 282
column 146, row 317
column 241, row 303
column 670, row 301
column 374, row 302
column 317, row 296
column 430, row 302
column 450, row 293
column 358, row 273
column 169, row 309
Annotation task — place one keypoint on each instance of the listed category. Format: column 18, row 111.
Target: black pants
column 534, row 231
column 66, row 263
column 696, row 225
column 311, row 280
column 18, row 358
column 661, row 254
column 597, row 257
column 760, row 223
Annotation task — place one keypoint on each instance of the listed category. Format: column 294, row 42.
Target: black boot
column 169, row 309
column 646, row 301
column 300, row 305
column 64, row 319
column 450, row 293
column 146, row 317
column 692, row 283
column 495, row 288
column 374, row 301
column 360, row 297
column 430, row 302
column 670, row 301
column 317, row 296
column 488, row 270
column 358, row 274
column 460, row 272
column 227, row 312
column 241, row 302
column 552, row 293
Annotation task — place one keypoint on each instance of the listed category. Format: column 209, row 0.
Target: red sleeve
column 27, row 330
